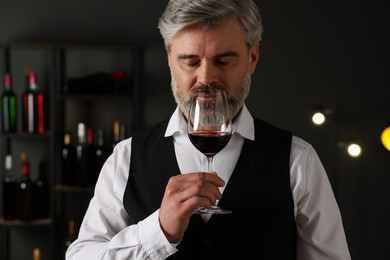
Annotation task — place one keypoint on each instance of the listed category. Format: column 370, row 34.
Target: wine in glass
column 209, row 128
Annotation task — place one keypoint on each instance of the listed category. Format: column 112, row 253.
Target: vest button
column 208, row 242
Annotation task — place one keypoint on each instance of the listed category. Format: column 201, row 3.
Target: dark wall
column 329, row 52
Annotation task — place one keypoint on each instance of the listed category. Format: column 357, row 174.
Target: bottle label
column 30, row 108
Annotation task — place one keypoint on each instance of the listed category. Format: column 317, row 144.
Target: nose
column 208, row 74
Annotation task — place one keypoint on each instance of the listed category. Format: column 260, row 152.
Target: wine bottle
column 81, row 156
column 42, row 193
column 70, row 234
column 25, row 191
column 101, row 152
column 116, row 138
column 122, row 132
column 37, row 254
column 68, row 157
column 9, row 187
column 8, row 105
column 28, row 104
column 33, row 107
column 91, row 158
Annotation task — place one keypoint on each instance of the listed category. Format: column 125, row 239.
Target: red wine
column 209, row 142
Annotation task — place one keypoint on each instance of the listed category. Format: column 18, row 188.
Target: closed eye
column 221, row 62
column 222, row 59
column 192, row 64
column 226, row 58
column 189, row 60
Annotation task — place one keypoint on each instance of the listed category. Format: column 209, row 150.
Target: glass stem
column 210, row 163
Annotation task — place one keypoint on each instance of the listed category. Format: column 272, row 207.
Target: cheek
column 232, row 81
column 184, row 80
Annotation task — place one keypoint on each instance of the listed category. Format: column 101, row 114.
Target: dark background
column 329, row 52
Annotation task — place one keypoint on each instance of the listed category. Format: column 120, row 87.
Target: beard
column 236, row 101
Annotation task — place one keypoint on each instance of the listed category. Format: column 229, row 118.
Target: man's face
column 218, row 57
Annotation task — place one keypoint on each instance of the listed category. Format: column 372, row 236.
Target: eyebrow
column 221, row 55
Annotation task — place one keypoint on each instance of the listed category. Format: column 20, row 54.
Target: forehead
column 228, row 36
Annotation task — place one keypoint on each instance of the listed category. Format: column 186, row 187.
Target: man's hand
column 183, row 194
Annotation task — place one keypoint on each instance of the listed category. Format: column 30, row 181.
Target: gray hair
column 180, row 14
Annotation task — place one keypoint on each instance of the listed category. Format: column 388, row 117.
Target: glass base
column 212, row 210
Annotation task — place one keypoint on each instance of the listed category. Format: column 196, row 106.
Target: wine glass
column 209, row 128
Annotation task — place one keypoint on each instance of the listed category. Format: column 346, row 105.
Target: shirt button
column 207, row 242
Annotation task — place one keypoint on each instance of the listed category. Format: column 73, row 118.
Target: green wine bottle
column 8, row 105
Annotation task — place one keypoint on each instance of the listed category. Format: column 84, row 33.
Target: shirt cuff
column 153, row 239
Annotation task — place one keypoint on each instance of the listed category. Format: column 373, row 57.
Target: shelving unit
column 38, row 147
column 55, row 65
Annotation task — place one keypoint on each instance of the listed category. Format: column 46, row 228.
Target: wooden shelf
column 73, row 189
column 21, row 135
column 17, row 222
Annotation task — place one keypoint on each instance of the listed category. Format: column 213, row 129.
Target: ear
column 254, row 53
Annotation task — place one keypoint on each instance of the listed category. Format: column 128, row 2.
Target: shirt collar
column 243, row 125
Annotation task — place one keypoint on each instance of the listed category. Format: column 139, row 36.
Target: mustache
column 208, row 89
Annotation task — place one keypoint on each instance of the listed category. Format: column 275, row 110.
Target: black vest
column 262, row 225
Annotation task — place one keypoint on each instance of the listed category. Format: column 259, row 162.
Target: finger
column 211, row 177
column 204, row 182
column 184, row 181
column 199, row 202
column 199, row 184
column 214, row 172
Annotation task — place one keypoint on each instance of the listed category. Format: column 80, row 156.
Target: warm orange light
column 385, row 137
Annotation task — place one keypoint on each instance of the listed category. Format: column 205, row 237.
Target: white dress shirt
column 106, row 234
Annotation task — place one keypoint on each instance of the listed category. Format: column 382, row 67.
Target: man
column 283, row 206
